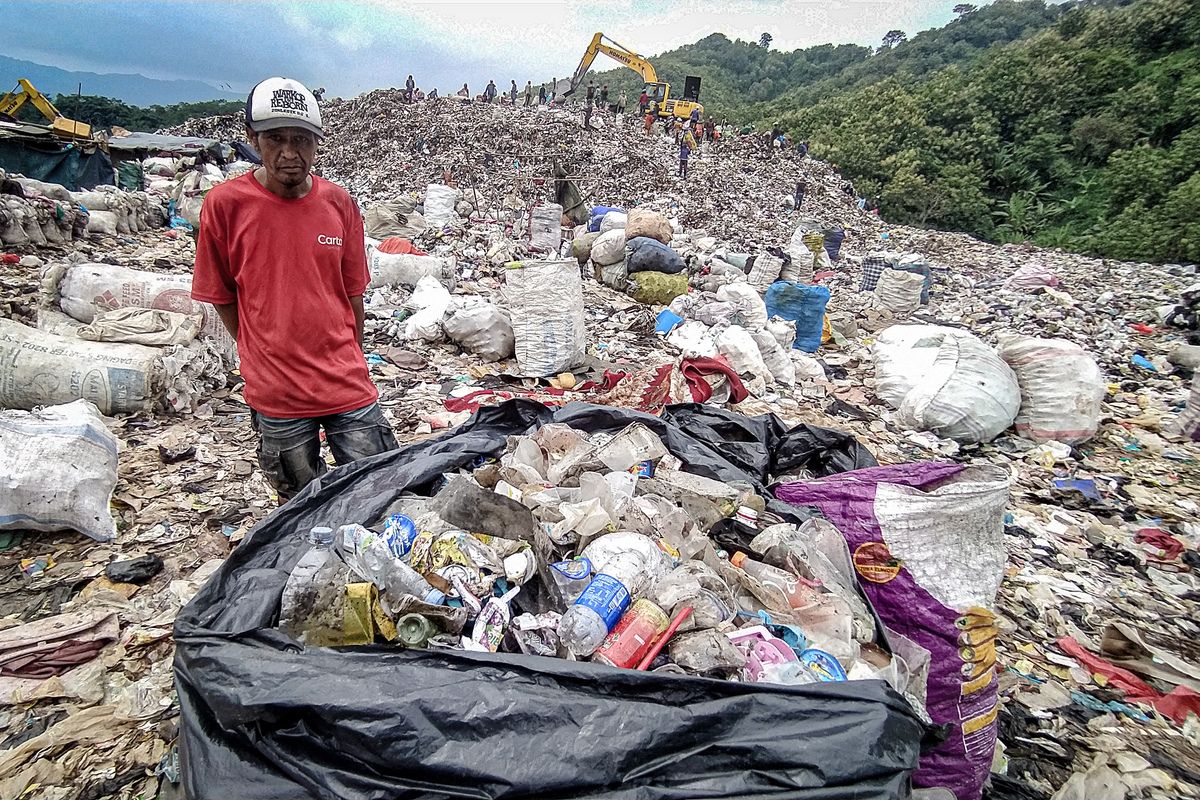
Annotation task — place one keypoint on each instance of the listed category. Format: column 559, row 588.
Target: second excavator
column 658, row 91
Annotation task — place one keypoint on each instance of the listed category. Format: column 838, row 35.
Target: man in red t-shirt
column 281, row 256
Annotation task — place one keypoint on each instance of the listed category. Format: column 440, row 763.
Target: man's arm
column 360, row 315
column 228, row 313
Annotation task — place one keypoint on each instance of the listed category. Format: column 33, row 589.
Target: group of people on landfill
column 412, row 93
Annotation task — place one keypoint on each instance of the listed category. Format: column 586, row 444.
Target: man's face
column 287, row 154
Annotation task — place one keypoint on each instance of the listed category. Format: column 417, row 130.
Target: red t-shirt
column 291, row 266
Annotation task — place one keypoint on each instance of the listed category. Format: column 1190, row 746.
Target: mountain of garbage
column 870, row 476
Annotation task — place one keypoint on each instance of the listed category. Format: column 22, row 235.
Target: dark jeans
column 289, row 450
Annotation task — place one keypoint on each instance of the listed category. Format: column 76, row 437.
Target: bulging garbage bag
column 545, row 301
column 446, row 723
column 39, row 368
column 1061, row 388
column 483, row 329
column 596, row 217
column 651, row 255
column 657, row 288
column 751, row 310
column 802, row 304
column 613, row 221
column 60, row 470
column 946, row 381
column 439, row 204
column 545, row 227
column 609, row 248
column 581, row 246
column 402, row 269
column 764, row 271
column 927, row 543
column 651, row 224
column 899, row 292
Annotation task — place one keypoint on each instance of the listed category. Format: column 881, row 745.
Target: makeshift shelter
column 33, row 151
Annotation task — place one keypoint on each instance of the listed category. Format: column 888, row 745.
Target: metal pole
column 75, row 120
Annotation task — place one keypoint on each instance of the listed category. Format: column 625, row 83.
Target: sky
column 350, row 47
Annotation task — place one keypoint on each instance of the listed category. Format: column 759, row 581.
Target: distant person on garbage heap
column 542, row 95
column 464, row 91
column 528, row 93
column 281, row 256
column 604, row 96
column 490, row 92
column 648, row 120
column 409, row 85
column 686, row 145
column 643, row 102
column 512, row 93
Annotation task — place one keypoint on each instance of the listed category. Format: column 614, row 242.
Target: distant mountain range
column 136, row 90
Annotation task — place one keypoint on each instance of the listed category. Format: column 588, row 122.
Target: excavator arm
column 12, row 102
column 618, row 53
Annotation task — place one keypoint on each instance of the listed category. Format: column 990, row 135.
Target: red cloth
column 9, row 258
column 398, row 245
column 1176, row 705
column 291, row 266
column 1171, row 547
column 694, row 370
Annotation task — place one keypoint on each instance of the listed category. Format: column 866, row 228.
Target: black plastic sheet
column 263, row 717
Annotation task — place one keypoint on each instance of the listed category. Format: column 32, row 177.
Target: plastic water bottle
column 795, row 592
column 598, row 608
column 313, row 597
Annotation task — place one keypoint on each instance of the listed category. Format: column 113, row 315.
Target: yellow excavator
column 25, row 92
column 658, row 91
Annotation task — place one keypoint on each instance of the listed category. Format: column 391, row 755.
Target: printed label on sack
column 607, row 596
column 875, row 563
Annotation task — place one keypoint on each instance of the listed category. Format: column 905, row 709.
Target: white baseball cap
column 282, row 103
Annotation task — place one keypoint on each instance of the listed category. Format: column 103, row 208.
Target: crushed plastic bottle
column 314, row 594
column 369, row 555
column 795, row 592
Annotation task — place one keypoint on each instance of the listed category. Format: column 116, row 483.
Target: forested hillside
column 1071, row 125
column 1083, row 136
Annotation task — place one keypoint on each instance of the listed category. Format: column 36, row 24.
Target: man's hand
column 228, row 312
column 360, row 315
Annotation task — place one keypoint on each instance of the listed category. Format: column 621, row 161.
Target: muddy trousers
column 289, row 450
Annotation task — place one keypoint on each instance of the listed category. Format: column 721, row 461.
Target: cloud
column 350, row 46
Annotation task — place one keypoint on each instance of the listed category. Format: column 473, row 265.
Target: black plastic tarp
column 263, row 717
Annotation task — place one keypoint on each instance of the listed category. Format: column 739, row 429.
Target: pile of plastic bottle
column 597, row 547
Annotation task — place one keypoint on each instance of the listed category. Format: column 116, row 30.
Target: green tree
column 765, row 40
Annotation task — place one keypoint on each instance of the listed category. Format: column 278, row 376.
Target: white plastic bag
column 614, row 220
column 764, row 271
column 483, row 329
column 1061, row 388
column 439, row 204
column 775, row 357
column 102, row 222
column 403, row 269
column 58, row 469
column 899, row 292
column 945, row 381
column 739, row 348
column 784, row 331
column 751, row 310
column 545, row 301
column 545, row 227
column 429, row 302
column 609, row 247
